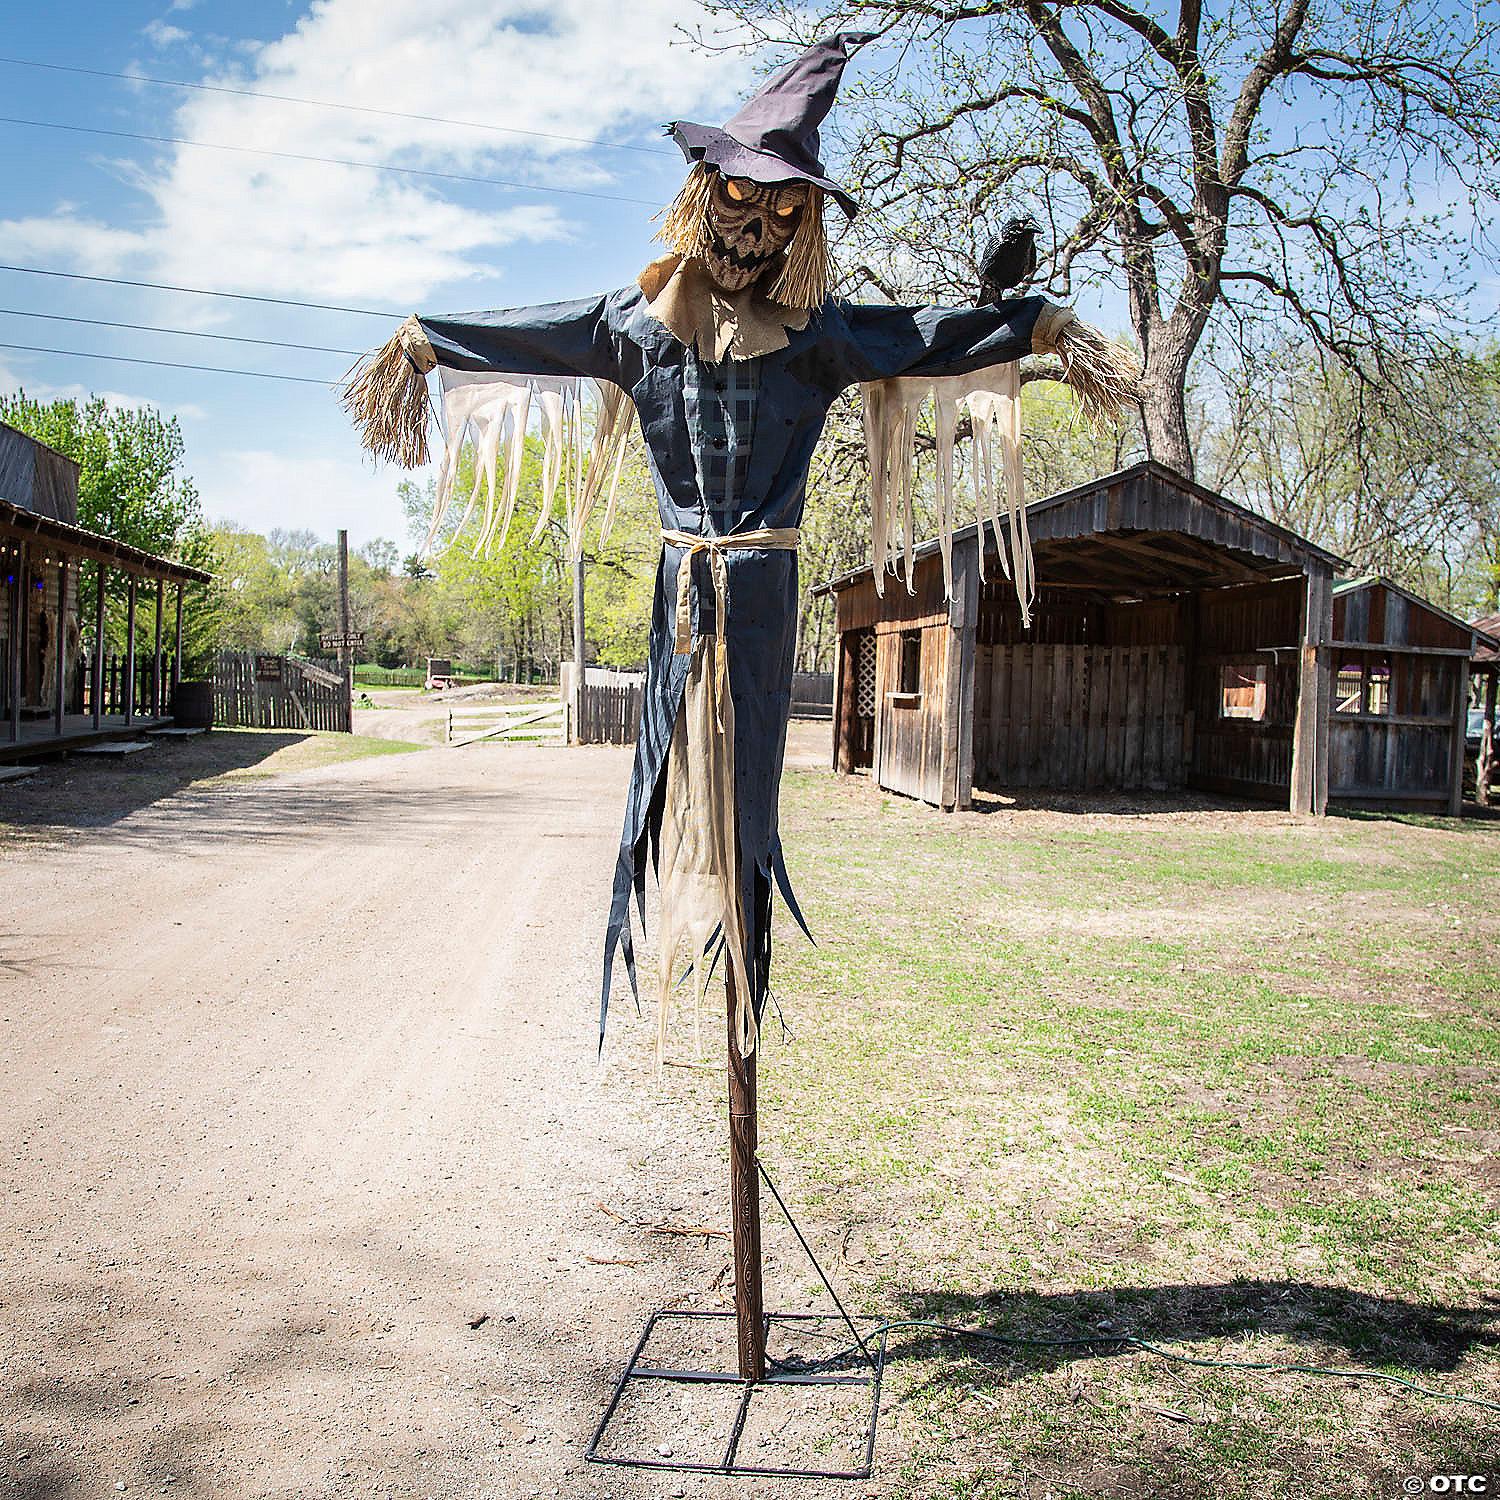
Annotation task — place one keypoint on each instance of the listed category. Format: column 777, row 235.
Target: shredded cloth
column 698, row 863
column 495, row 412
column 993, row 398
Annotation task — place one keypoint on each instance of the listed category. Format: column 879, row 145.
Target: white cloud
column 160, row 34
column 261, row 489
column 266, row 225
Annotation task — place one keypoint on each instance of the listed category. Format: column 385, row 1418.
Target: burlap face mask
column 750, row 224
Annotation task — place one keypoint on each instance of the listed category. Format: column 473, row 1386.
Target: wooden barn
column 58, row 686
column 1177, row 639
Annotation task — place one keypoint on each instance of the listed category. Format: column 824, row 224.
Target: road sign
column 335, row 642
column 268, row 669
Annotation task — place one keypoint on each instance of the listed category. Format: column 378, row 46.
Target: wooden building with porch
column 59, row 687
column 1177, row 640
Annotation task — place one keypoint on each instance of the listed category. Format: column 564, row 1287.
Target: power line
column 167, row 364
column 362, row 109
column 186, row 333
column 327, row 161
column 198, row 291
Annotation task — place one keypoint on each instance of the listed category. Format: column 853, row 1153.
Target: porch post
column 101, row 572
column 177, row 648
column 60, row 650
column 17, row 624
column 130, row 650
column 156, row 659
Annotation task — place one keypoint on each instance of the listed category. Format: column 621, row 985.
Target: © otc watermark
column 1448, row 1484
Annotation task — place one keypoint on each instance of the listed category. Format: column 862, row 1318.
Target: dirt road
column 304, row 1141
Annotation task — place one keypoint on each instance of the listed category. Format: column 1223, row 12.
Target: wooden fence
column 278, row 692
column 610, row 713
column 508, row 721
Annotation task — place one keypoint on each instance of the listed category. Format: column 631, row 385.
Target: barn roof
column 1149, row 530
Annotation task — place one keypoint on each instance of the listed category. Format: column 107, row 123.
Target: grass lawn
column 1225, row 1080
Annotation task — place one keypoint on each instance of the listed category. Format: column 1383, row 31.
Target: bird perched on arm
column 1009, row 259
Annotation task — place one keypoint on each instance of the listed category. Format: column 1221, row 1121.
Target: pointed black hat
column 774, row 138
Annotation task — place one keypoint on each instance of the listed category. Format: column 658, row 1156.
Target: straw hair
column 684, row 225
column 1103, row 374
column 803, row 279
column 385, row 395
column 804, row 275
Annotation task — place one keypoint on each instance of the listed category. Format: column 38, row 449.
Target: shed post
column 100, row 573
column 1460, row 730
column 17, row 625
column 60, row 648
column 156, row 659
column 958, row 697
column 1309, row 791
column 842, row 684
column 1485, row 769
column 130, row 650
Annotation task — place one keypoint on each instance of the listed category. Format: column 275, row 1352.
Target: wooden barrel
column 193, row 705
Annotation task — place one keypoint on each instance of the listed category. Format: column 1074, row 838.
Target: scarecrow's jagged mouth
column 750, row 261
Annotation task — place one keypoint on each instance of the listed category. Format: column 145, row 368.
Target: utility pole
column 578, row 668
column 346, row 651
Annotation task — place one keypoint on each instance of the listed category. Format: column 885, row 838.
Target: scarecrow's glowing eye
column 738, row 188
column 787, row 211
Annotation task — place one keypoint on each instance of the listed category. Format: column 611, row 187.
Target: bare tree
column 1322, row 164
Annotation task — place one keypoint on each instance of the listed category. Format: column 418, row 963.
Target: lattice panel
column 864, row 693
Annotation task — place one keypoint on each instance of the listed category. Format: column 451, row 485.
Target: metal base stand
column 795, row 1355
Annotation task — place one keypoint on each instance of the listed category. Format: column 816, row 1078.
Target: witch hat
column 774, row 138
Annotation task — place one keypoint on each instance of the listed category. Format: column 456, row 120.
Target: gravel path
column 304, row 1141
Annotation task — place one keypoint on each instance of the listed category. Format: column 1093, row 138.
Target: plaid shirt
column 720, row 405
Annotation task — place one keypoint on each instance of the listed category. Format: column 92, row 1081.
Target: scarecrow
column 730, row 351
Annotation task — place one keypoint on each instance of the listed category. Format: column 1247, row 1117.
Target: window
column 910, row 679
column 1243, row 693
column 1363, row 686
column 1348, row 687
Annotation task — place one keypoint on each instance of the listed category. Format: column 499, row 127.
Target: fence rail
column 511, row 721
column 278, row 692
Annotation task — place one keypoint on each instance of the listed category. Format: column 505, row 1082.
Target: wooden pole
column 346, row 651
column 744, row 1198
column 1485, row 769
column 1460, row 728
column 578, row 668
column 60, row 648
column 18, row 603
column 100, row 573
column 156, row 659
column 130, row 649
column 177, row 646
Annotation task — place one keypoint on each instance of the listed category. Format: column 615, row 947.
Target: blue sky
column 266, row 453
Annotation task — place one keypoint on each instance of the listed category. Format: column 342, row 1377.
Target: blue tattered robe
column 617, row 337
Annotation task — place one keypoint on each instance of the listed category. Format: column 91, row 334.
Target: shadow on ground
column 1376, row 1332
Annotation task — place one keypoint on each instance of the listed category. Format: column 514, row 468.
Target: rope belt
column 767, row 538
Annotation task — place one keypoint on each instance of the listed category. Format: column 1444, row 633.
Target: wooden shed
column 1177, row 639
column 1400, row 696
column 57, row 685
